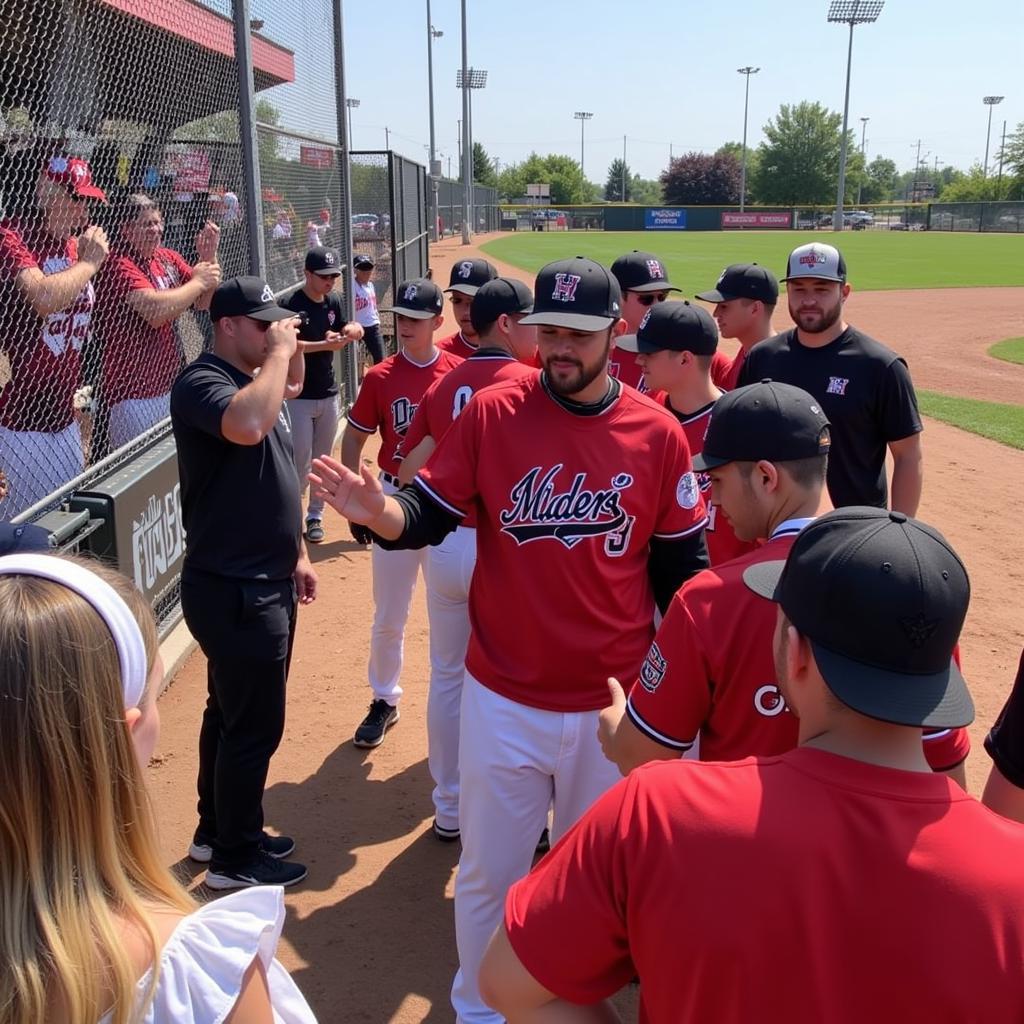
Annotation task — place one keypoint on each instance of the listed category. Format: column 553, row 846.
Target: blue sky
column 662, row 72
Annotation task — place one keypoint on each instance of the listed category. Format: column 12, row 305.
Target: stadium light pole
column 990, row 102
column 747, row 72
column 583, row 116
column 467, row 182
column 852, row 13
column 435, row 165
column 863, row 130
column 474, row 79
column 351, row 104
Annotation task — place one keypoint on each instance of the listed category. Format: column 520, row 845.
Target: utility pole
column 990, row 102
column 387, row 137
column 467, row 179
column 623, row 168
column 1002, row 150
column 863, row 157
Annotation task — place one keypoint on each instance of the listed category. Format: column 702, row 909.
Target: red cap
column 76, row 175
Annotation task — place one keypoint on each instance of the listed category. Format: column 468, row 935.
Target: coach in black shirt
column 864, row 388
column 245, row 569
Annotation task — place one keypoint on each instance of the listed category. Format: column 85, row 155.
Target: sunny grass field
column 877, row 260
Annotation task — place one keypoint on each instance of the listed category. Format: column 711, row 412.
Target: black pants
column 371, row 339
column 246, row 629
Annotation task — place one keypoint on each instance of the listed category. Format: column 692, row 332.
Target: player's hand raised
column 357, row 496
column 283, row 335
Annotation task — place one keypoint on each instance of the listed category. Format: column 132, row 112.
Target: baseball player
column 507, row 351
column 1004, row 791
column 48, row 260
column 386, row 402
column 466, row 277
column 365, row 296
column 587, row 512
column 745, row 296
column 705, row 878
column 675, row 346
column 864, row 388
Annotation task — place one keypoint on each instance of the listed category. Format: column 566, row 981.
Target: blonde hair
column 78, row 851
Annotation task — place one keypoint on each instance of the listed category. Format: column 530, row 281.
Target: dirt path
column 370, row 934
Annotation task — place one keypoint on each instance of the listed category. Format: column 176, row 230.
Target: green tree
column 700, row 179
column 562, row 173
column 1013, row 162
column 974, row 187
column 880, row 181
column 646, row 191
column 619, row 176
column 799, row 160
column 736, row 150
column 483, row 167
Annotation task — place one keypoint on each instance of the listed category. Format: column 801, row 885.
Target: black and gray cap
column 578, row 293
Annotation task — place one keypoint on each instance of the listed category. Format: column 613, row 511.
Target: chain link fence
column 486, row 213
column 1006, row 217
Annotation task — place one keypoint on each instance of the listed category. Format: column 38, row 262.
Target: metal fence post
column 247, row 136
column 393, row 208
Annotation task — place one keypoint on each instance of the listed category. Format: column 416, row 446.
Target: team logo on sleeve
column 540, row 512
column 687, row 491
column 652, row 671
column 565, row 287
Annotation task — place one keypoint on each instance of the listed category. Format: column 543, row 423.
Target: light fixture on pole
column 990, row 102
column 583, row 116
column 468, row 79
column 435, row 165
column 852, row 13
column 351, row 104
column 863, row 157
column 747, row 72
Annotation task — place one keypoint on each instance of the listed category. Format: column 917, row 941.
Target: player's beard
column 585, row 375
column 817, row 323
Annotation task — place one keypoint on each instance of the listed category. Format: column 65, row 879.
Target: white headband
column 109, row 605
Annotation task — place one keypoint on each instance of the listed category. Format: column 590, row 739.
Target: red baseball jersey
column 457, row 345
column 561, row 597
column 720, row 364
column 710, row 669
column 43, row 352
column 623, row 366
column 784, row 890
column 139, row 361
column 447, row 397
column 388, row 398
column 729, row 379
column 723, row 544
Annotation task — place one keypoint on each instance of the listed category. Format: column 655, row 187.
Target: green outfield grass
column 876, row 259
column 1011, row 350
column 998, row 422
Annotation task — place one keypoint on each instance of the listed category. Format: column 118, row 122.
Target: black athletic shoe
column 201, row 850
column 378, row 720
column 314, row 531
column 544, row 843
column 263, row 870
column 446, row 835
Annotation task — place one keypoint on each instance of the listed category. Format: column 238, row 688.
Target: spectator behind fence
column 143, row 290
column 95, row 927
column 49, row 253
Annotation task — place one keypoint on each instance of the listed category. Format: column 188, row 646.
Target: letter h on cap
column 565, row 287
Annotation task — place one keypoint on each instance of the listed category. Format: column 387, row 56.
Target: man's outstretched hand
column 357, row 496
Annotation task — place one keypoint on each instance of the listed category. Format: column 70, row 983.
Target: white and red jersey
column 365, row 296
column 710, row 669
column 723, row 544
column 561, row 597
column 457, row 344
column 389, row 396
column 447, row 397
column 43, row 352
column 139, row 360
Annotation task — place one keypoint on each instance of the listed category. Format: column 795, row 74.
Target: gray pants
column 314, row 427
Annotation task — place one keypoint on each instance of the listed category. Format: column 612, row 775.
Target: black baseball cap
column 641, row 272
column 502, row 295
column 420, row 299
column 743, row 281
column 362, row 262
column 882, row 598
column 673, row 325
column 824, row 262
column 771, row 421
column 23, row 538
column 323, row 261
column 578, row 293
column 247, row 296
column 468, row 275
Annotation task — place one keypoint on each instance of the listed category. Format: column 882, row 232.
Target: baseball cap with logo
column 502, row 295
column 362, row 262
column 75, row 175
column 468, row 275
column 420, row 299
column 824, row 262
column 771, row 421
column 247, row 296
column 323, row 261
column 677, row 326
column 882, row 598
column 743, row 281
column 578, row 293
column 641, row 272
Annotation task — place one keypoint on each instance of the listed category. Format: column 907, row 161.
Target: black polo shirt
column 865, row 391
column 240, row 503
column 325, row 316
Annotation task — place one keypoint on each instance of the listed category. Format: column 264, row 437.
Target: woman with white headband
column 94, row 929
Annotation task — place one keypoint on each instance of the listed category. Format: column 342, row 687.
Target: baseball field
column 369, row 935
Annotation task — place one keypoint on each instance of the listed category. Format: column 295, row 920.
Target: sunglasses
column 650, row 298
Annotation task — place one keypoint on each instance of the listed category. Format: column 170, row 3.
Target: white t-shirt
column 205, row 959
column 366, row 303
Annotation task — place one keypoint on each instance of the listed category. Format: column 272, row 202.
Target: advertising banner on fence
column 316, row 156
column 664, row 220
column 734, row 219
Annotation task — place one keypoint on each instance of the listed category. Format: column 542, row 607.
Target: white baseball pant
column 37, row 463
column 449, row 572
column 514, row 763
column 314, row 427
column 394, row 577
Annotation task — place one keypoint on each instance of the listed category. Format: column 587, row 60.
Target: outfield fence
column 1005, row 217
